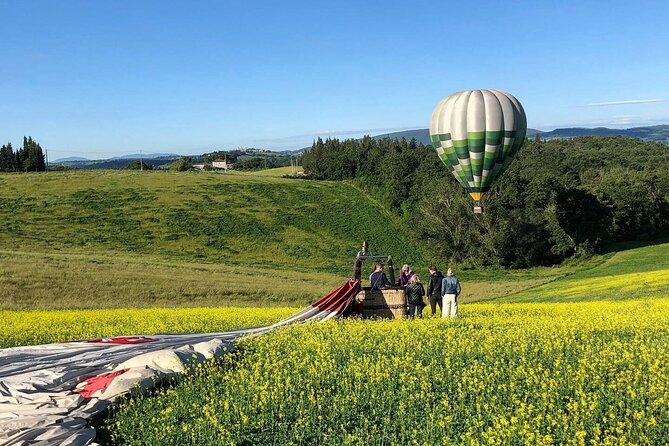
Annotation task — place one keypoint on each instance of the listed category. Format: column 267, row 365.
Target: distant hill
column 658, row 133
column 69, row 159
column 421, row 135
column 146, row 156
column 116, row 163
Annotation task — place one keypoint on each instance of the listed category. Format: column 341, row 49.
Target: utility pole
column 141, row 161
column 46, row 157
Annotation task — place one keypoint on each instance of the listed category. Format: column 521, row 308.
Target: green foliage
column 182, row 164
column 28, row 158
column 138, row 165
column 557, row 199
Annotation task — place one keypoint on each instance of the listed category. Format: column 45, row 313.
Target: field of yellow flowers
column 32, row 327
column 517, row 373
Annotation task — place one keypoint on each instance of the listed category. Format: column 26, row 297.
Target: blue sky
column 94, row 79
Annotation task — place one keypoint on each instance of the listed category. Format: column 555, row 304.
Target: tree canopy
column 138, row 165
column 558, row 198
column 182, row 164
column 28, row 158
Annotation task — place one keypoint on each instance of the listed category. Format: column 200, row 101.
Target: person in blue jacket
column 450, row 290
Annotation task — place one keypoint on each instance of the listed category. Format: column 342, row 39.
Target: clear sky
column 100, row 78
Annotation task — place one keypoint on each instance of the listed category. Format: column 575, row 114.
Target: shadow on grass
column 634, row 244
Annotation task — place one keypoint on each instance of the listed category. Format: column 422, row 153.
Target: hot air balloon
column 476, row 134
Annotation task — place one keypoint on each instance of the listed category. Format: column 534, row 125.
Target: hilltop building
column 221, row 164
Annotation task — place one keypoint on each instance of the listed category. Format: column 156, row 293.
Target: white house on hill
column 221, row 164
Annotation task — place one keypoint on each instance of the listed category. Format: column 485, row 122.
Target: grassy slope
column 209, row 217
column 276, row 172
column 115, row 238
column 632, row 273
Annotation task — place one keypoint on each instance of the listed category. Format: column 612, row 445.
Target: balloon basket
column 478, row 209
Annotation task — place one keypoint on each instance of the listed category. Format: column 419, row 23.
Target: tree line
column 28, row 158
column 557, row 200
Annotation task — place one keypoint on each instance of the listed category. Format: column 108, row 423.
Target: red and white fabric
column 49, row 393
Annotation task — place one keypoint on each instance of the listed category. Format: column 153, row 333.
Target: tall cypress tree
column 28, row 162
column 39, row 155
column 7, row 157
column 19, row 158
column 32, row 157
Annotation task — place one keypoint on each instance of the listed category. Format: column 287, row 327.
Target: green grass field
column 630, row 273
column 203, row 217
column 110, row 239
column 88, row 239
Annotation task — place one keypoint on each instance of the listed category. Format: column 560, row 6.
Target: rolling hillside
column 83, row 239
column 238, row 219
column 641, row 272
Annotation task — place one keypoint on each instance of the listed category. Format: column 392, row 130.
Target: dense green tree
column 28, row 158
column 557, row 199
column 7, row 159
column 182, row 164
column 139, row 165
column 32, row 156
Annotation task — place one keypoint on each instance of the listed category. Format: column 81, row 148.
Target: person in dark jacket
column 378, row 278
column 415, row 292
column 434, row 289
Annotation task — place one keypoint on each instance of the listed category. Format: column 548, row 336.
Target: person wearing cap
column 450, row 290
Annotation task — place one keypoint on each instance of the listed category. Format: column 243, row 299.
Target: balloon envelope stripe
column 462, row 151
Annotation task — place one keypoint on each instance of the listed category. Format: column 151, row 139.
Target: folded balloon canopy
column 476, row 134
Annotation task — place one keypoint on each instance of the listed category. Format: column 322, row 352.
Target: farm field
column 589, row 372
column 53, row 280
column 641, row 272
column 529, row 373
column 575, row 354
column 119, row 238
column 34, row 327
column 76, row 279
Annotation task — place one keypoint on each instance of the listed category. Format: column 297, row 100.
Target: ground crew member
column 450, row 290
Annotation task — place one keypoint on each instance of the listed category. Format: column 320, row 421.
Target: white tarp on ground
column 49, row 393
